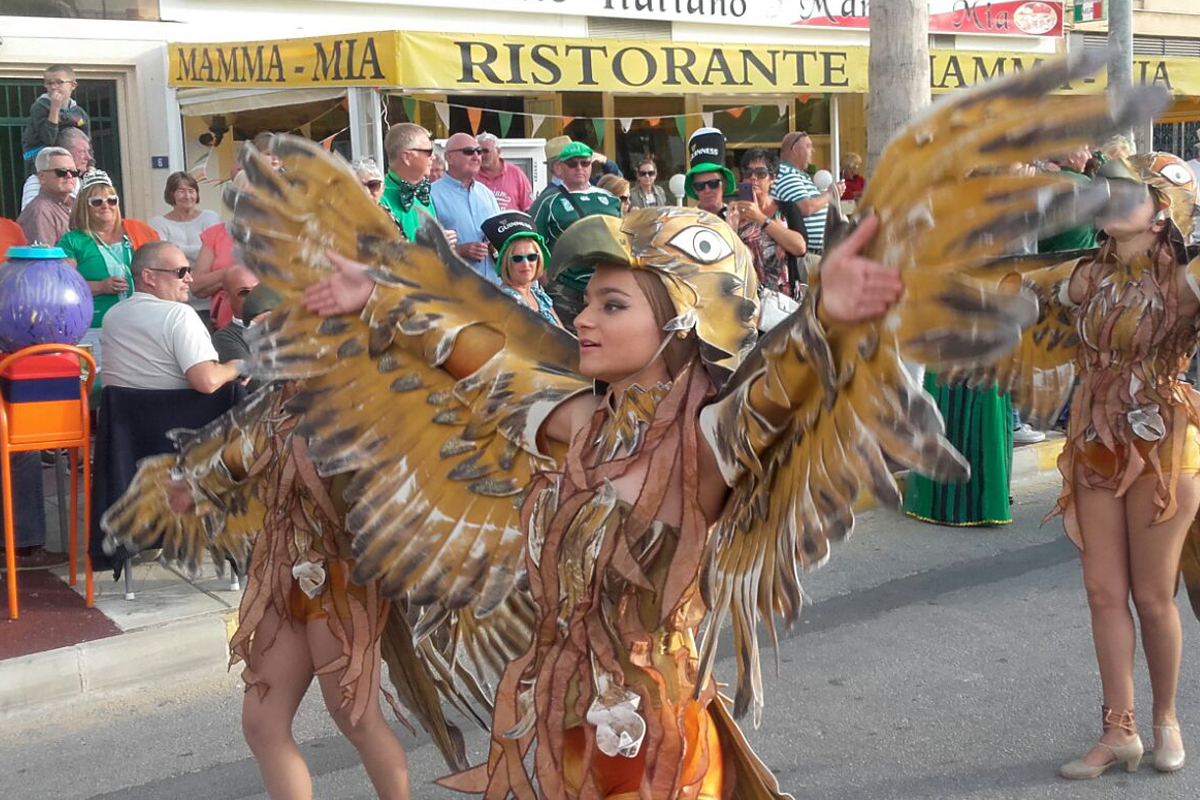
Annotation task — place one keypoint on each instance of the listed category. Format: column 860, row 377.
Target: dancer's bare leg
column 1154, row 567
column 1105, row 560
column 286, row 668
column 381, row 752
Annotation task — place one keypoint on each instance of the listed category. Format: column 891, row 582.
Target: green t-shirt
column 553, row 213
column 1072, row 238
column 94, row 266
column 409, row 220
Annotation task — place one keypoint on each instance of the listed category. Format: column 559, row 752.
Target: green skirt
column 979, row 424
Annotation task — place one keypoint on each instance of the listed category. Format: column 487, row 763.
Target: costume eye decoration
column 1177, row 174
column 703, row 244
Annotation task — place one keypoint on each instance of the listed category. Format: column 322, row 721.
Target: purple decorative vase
column 43, row 299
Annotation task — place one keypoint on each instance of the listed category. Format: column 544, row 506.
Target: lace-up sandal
column 1129, row 754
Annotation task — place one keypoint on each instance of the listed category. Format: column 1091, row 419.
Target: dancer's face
column 618, row 334
column 1136, row 222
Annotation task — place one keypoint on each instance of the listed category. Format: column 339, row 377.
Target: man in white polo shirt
column 154, row 339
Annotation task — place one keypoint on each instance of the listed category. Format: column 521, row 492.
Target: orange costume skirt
column 619, row 778
column 1164, row 460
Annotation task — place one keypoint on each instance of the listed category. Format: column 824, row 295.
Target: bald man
column 463, row 203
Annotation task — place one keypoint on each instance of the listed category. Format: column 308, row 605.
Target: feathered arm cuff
column 791, row 373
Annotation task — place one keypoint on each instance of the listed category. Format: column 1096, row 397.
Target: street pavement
column 934, row 662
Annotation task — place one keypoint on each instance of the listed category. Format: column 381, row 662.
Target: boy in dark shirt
column 53, row 111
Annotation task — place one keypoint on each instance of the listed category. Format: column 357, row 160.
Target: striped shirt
column 793, row 185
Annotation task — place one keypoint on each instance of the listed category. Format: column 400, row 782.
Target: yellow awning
column 480, row 63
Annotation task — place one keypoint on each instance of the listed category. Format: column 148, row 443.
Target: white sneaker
column 1027, row 435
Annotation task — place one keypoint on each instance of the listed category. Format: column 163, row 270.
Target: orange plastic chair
column 46, row 425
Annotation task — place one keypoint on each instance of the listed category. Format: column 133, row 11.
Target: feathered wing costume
column 433, row 400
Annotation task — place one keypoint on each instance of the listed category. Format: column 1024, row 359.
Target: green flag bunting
column 506, row 119
column 410, row 107
column 598, row 126
column 681, row 126
column 754, row 113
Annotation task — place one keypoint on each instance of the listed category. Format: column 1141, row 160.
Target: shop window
column 746, row 128
column 583, row 106
column 314, row 121
column 84, row 9
column 489, row 120
column 650, row 135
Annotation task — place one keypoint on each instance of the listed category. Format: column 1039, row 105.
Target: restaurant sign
column 442, row 62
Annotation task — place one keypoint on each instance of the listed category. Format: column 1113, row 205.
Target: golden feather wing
column 1039, row 372
column 199, row 499
column 432, row 397
column 810, row 420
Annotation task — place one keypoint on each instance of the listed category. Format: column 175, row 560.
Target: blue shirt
column 545, row 304
column 463, row 209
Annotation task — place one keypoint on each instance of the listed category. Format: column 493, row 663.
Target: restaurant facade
column 630, row 77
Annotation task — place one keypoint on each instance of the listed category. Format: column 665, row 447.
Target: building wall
column 134, row 54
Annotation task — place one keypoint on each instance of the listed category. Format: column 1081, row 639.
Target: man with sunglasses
column 463, row 203
column 48, row 216
column 573, row 197
column 507, row 181
column 793, row 185
column 406, row 194
column 561, row 206
column 154, row 339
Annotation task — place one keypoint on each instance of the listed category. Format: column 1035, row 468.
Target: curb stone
column 117, row 662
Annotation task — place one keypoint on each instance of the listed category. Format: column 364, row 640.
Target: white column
column 835, row 139
column 366, row 124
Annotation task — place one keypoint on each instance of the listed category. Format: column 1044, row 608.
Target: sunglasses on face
column 178, row 272
column 647, row 173
column 372, row 185
column 467, row 151
column 97, row 202
column 532, row 258
column 758, row 172
column 713, row 184
column 64, row 173
column 576, row 163
column 425, row 151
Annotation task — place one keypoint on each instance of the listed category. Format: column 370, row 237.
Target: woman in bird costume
column 1124, row 320
column 669, row 469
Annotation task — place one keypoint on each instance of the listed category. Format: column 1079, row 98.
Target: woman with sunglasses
column 100, row 245
column 521, row 259
column 646, row 192
column 771, row 229
column 618, row 187
column 369, row 175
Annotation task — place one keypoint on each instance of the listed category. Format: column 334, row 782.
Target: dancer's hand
column 179, row 496
column 854, row 288
column 346, row 290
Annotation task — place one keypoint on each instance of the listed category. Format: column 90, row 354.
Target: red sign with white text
column 1006, row 18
